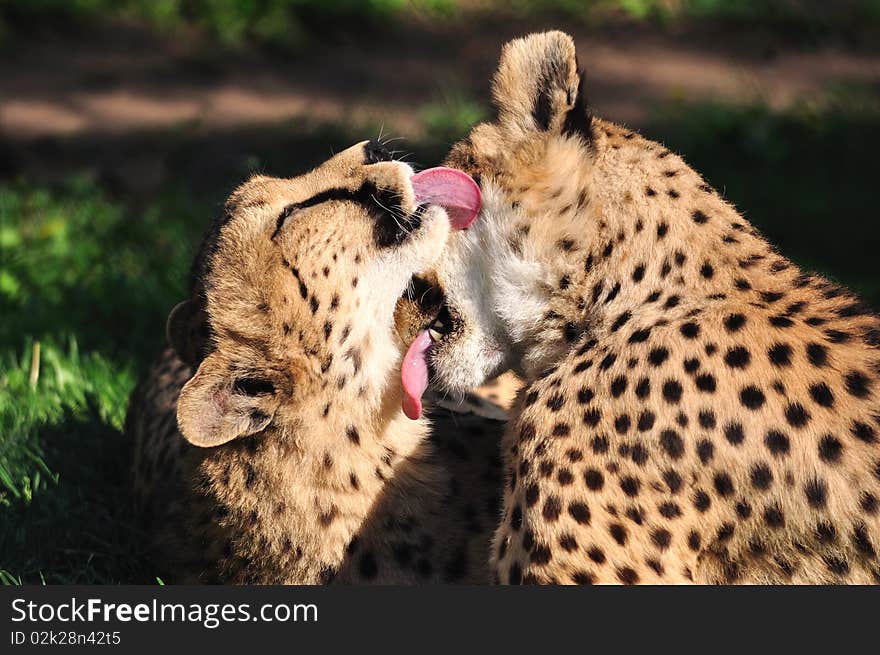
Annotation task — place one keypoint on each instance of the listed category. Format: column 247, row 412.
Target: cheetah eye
column 253, row 387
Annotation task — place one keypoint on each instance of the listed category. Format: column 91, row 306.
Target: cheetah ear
column 187, row 331
column 538, row 86
column 221, row 403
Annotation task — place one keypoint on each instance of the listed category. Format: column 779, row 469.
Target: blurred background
column 125, row 123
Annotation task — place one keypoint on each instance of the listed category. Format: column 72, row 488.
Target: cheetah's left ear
column 224, row 401
column 538, row 86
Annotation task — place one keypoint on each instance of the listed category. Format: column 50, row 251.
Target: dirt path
column 123, row 80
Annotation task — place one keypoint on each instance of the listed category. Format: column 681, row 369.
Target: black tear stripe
column 388, row 230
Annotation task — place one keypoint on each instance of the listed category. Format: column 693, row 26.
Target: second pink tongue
column 414, row 374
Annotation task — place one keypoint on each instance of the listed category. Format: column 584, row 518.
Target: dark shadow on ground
column 80, row 530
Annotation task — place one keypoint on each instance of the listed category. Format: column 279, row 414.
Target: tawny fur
column 696, row 408
column 285, row 377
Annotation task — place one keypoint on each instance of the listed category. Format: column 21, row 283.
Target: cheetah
column 695, row 407
column 270, row 443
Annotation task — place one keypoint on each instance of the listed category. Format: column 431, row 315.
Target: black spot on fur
column 734, row 433
column 781, row 321
column 672, row 443
column 817, row 354
column 620, row 321
column 780, row 355
column 619, row 533
column 657, row 356
column 375, row 152
column 737, row 357
column 640, row 336
column 761, row 477
column 774, row 517
column 777, row 442
column 702, row 502
column 863, row 432
column 594, row 479
column 796, row 415
column 579, row 512
column 857, row 384
column 830, row 449
column 706, row 383
column 707, row 420
column 705, row 451
column 672, row 391
column 816, row 492
column 822, row 394
column 690, row 330
column 734, row 322
column 555, row 402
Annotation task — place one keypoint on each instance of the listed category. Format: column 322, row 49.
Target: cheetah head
column 296, row 286
column 496, row 278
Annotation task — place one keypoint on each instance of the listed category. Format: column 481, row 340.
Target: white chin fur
column 467, row 362
column 499, row 295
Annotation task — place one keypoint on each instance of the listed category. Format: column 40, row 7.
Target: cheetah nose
column 374, row 152
column 453, row 190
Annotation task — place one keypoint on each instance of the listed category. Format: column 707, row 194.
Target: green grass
column 91, row 277
column 89, row 281
column 68, row 250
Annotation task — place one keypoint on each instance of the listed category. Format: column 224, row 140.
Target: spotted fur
column 696, row 407
column 270, row 445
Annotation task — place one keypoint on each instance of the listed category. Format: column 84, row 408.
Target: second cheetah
column 696, row 407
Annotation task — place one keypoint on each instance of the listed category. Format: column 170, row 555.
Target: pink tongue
column 414, row 374
column 453, row 190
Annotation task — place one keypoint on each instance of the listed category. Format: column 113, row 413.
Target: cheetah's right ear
column 222, row 402
column 538, row 86
column 187, row 331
